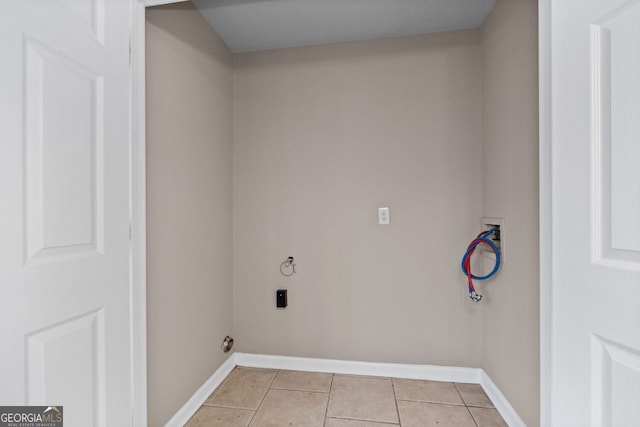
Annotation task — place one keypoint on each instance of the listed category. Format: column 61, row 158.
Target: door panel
column 86, row 15
column 48, row 372
column 615, row 382
column 63, row 154
column 616, row 103
column 65, row 320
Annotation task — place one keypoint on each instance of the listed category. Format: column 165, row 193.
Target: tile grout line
column 431, row 402
column 263, row 397
column 472, row 417
column 459, row 394
column 395, row 400
column 326, row 410
column 239, row 408
column 471, row 405
column 299, row 390
column 465, row 405
column 363, row 421
column 366, row 377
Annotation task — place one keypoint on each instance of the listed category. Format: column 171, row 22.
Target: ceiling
column 250, row 25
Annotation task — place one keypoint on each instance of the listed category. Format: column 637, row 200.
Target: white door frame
column 139, row 209
column 138, row 206
column 138, row 219
column 546, row 212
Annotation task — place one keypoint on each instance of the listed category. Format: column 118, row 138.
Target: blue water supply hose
column 481, row 239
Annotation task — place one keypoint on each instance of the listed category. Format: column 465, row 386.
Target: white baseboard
column 193, row 404
column 395, row 370
column 501, row 403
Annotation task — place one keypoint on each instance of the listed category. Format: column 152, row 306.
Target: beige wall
column 510, row 190
column 325, row 135
column 189, row 265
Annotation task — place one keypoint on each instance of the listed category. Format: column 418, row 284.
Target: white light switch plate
column 383, row 216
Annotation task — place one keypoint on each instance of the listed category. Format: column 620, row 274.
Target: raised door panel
column 88, row 15
column 616, row 148
column 63, row 155
column 616, row 384
column 66, row 365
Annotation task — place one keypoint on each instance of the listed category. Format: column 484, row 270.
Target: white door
column 595, row 72
column 64, row 208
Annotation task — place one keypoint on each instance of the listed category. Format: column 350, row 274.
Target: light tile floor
column 271, row 398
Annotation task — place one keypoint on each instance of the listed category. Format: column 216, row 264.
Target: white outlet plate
column 383, row 216
column 487, row 224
